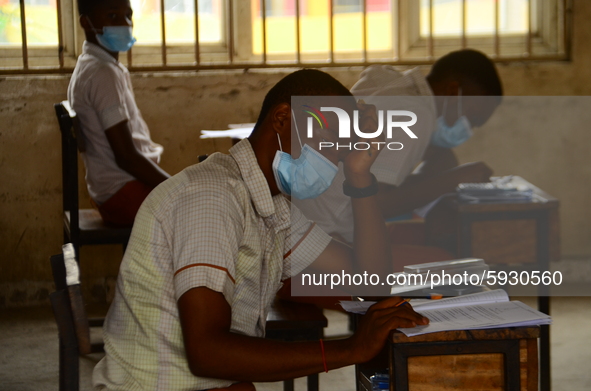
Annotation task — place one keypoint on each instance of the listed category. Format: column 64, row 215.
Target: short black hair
column 85, row 7
column 304, row 82
column 469, row 65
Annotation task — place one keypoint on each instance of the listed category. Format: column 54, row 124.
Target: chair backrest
column 69, row 306
column 70, row 135
column 70, row 316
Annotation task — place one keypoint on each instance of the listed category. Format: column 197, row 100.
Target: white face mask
column 446, row 136
column 308, row 176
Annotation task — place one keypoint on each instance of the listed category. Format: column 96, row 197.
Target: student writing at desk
column 446, row 115
column 121, row 159
column 210, row 247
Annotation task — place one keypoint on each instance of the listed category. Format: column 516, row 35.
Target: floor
column 28, row 350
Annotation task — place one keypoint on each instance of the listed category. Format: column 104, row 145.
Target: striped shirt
column 387, row 89
column 101, row 94
column 213, row 225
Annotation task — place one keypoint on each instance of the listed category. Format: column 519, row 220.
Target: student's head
column 272, row 141
column 97, row 14
column 466, row 73
column 277, row 102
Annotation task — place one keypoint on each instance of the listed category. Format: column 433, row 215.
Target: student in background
column 427, row 167
column 211, row 246
column 121, row 159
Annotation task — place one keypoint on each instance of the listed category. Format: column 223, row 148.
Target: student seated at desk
column 446, row 121
column 208, row 252
column 121, row 159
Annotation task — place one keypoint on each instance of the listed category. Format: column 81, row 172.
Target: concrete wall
column 178, row 106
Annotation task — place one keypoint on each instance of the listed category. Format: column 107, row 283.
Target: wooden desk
column 495, row 359
column 288, row 321
column 524, row 235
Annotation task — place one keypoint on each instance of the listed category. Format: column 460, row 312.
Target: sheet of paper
column 233, row 133
column 424, row 210
column 480, row 316
column 356, row 307
column 245, row 125
column 496, row 296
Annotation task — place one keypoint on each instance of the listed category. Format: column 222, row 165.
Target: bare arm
column 214, row 351
column 128, row 158
column 371, row 250
column 437, row 160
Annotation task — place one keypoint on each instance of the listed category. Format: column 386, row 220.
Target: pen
column 403, row 302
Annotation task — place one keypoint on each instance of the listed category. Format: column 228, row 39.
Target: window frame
column 545, row 24
column 236, row 49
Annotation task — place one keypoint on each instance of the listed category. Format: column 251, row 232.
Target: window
column 505, row 29
column 43, row 36
column 40, row 34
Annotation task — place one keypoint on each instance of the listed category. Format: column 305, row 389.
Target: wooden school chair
column 72, row 321
column 81, row 226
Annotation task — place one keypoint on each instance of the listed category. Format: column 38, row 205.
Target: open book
column 484, row 310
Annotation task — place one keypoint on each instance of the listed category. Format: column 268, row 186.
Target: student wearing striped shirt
column 211, row 246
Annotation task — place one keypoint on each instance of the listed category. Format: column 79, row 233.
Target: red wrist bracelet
column 323, row 355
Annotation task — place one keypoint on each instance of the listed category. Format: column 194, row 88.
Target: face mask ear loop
column 296, row 127
column 460, row 111
column 91, row 25
column 279, row 139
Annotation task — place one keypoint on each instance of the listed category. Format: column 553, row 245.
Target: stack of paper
column 498, row 190
column 454, row 266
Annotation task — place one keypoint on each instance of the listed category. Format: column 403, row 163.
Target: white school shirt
column 101, row 94
column 332, row 210
column 216, row 225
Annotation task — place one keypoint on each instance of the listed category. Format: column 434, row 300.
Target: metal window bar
column 363, row 28
column 566, row 27
column 298, row 42
column 163, row 32
column 396, row 49
column 24, row 35
column 60, row 37
column 230, row 31
column 528, row 49
column 264, row 28
column 497, row 40
column 197, row 46
column 464, row 18
column 397, row 56
column 431, row 46
column 330, row 31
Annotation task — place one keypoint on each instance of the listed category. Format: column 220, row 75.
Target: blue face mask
column 305, row 177
column 446, row 136
column 115, row 38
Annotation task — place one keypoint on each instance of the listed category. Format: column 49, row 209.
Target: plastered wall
column 177, row 106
